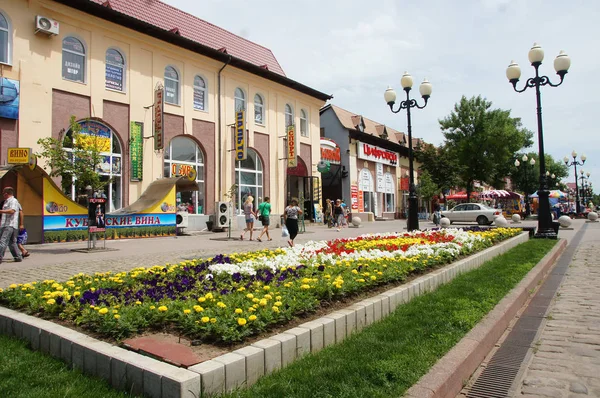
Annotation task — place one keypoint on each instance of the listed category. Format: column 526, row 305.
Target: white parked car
column 472, row 212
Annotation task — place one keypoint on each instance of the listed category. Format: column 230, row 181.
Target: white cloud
column 355, row 49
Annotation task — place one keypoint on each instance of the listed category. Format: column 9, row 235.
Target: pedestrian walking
column 437, row 216
column 264, row 211
column 290, row 215
column 249, row 215
column 338, row 212
column 9, row 224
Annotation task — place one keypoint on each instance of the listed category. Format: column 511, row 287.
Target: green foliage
column 427, row 188
column 81, row 163
column 439, row 164
column 483, row 141
column 29, row 374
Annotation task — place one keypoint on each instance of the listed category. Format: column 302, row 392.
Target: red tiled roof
column 169, row 18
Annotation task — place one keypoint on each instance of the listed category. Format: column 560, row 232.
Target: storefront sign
column 404, row 184
column 376, row 154
column 354, row 197
column 136, row 150
column 379, row 177
column 241, row 148
column 19, row 155
column 159, row 103
column 389, row 183
column 292, row 150
column 317, row 190
column 361, row 202
column 9, row 98
column 187, row 170
column 330, row 151
column 114, row 77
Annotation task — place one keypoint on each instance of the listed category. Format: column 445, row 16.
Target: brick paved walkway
column 566, row 357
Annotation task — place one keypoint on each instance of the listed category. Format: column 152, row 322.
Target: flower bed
column 230, row 297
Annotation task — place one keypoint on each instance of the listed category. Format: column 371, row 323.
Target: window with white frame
column 181, row 157
column 389, row 202
column 5, row 40
column 249, row 179
column 199, row 93
column 239, row 99
column 171, row 85
column 289, row 115
column 73, row 59
column 110, row 168
column 259, row 109
column 115, row 70
column 303, row 123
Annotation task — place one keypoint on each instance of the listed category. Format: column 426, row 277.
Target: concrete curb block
column 139, row 374
column 446, row 377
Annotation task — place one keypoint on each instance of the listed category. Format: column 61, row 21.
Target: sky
column 355, row 49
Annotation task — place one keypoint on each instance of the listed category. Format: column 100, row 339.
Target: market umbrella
column 499, row 194
column 557, row 194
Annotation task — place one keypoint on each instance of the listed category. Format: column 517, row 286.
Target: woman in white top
column 290, row 215
column 249, row 215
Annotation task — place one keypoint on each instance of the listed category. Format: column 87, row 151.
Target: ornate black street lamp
column 584, row 187
column 390, row 98
column 575, row 163
column 513, row 73
column 532, row 163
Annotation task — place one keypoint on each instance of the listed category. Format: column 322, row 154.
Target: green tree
column 483, row 141
column 439, row 164
column 79, row 163
column 427, row 187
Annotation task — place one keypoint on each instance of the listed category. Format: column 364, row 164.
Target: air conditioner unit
column 46, row 25
column 181, row 219
column 223, row 214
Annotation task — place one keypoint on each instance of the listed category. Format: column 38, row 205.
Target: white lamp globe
column 562, row 62
column 406, row 81
column 425, row 88
column 513, row 72
column 532, row 161
column 517, row 163
column 536, row 54
column 389, row 95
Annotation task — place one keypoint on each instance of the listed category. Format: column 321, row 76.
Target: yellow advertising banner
column 292, row 148
column 240, row 136
column 19, row 155
column 57, row 204
column 167, row 205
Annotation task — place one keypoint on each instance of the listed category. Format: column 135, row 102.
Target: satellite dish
column 323, row 166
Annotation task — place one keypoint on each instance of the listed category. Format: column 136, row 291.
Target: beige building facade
column 102, row 64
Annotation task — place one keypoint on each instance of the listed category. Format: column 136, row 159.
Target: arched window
column 182, row 157
column 115, row 70
column 365, row 184
column 240, row 100
column 289, row 115
column 249, row 179
column 73, row 59
column 5, row 40
column 303, row 123
column 171, row 85
column 259, row 109
column 199, row 93
column 110, row 169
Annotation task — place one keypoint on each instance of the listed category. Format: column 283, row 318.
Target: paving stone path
column 566, row 357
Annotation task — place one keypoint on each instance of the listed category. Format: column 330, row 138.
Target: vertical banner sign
column 159, row 102
column 292, row 152
column 354, row 196
column 240, row 136
column 97, row 215
column 379, row 177
column 136, row 150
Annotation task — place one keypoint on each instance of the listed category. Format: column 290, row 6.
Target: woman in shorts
column 249, row 215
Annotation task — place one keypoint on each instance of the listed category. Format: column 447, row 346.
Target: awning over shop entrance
column 156, row 192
